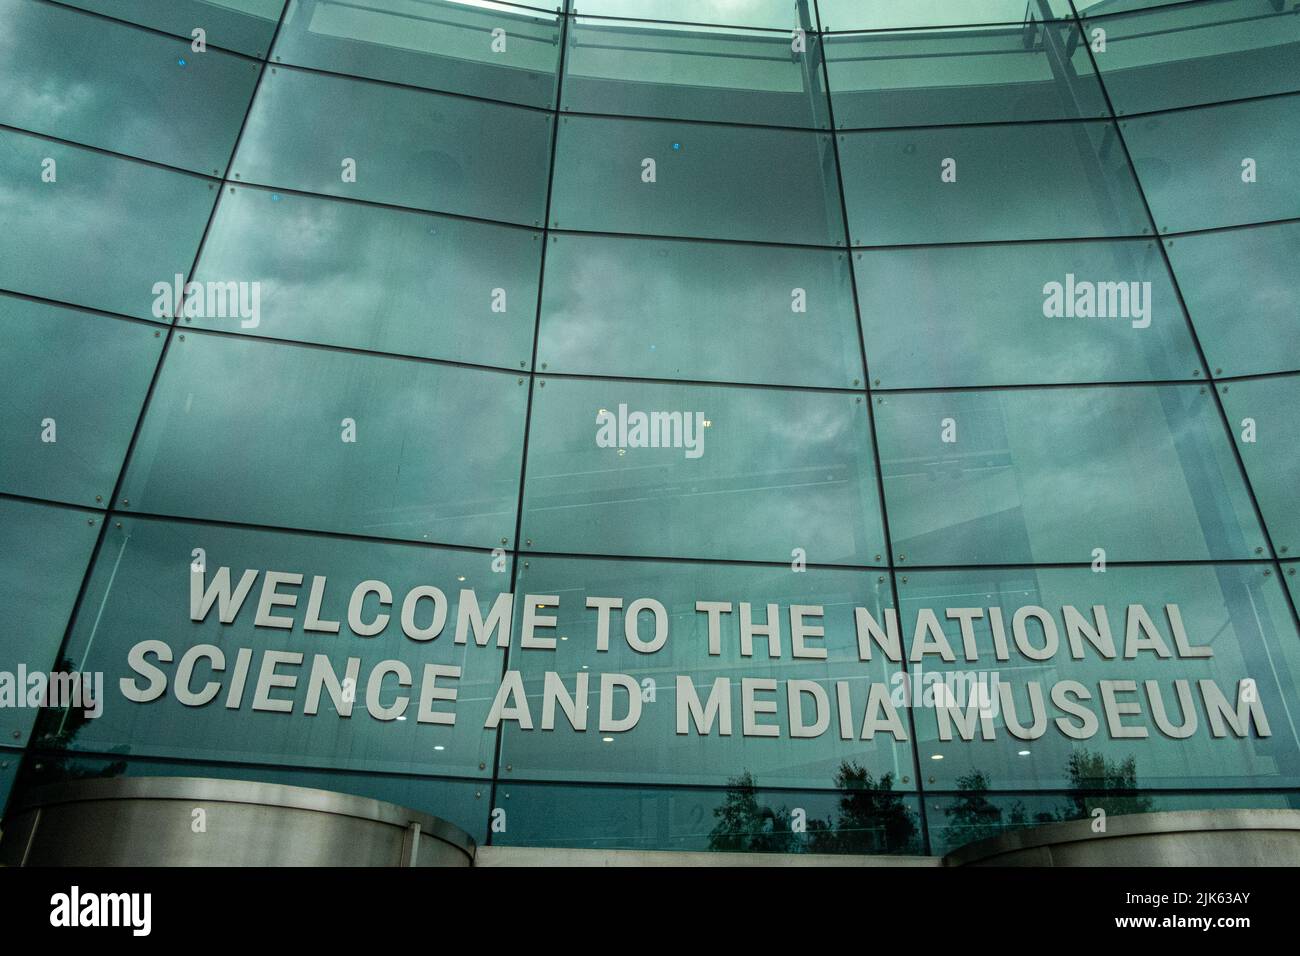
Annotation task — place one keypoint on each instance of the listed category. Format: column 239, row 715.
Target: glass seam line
column 528, row 408
column 63, row 306
column 1279, row 790
column 110, row 512
column 483, row 549
column 771, row 243
column 913, row 743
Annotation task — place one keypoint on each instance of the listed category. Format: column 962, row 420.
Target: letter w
column 228, row 604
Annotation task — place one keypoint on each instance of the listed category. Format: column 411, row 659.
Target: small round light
column 608, row 740
column 936, row 756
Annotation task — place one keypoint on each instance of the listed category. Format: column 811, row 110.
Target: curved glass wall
column 627, row 423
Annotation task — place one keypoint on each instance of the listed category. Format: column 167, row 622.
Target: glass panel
column 961, row 76
column 408, row 147
column 768, row 14
column 44, row 555
column 788, row 193
column 9, row 762
column 1032, row 181
column 357, row 443
column 844, row 15
column 1262, row 414
column 1049, row 475
column 1293, row 580
column 750, row 473
column 654, row 751
column 260, row 712
column 368, row 277
column 740, row 818
column 1141, row 712
column 123, row 88
column 441, row 45
column 245, row 26
column 103, row 233
column 1001, row 315
column 1088, row 8
column 462, row 802
column 706, row 73
column 1240, row 288
column 1194, row 164
column 698, row 310
column 1198, row 53
column 974, row 814
column 74, row 385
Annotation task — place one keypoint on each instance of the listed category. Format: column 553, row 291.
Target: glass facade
column 979, row 321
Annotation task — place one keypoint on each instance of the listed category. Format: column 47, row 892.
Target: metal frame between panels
column 817, row 81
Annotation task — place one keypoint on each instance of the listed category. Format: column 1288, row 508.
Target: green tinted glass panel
column 253, row 720
column 462, row 802
column 245, row 26
column 1126, row 703
column 788, row 192
column 435, row 456
column 962, row 76
column 1009, row 184
column 410, row 147
column 996, row 315
column 973, row 814
column 698, row 310
column 74, row 385
column 653, row 751
column 1194, row 170
column 368, row 277
column 9, row 763
column 767, row 14
column 1197, row 53
column 1101, row 7
column 742, row 818
column 681, row 72
column 1241, row 290
column 841, row 15
column 44, row 551
column 1145, row 473
column 1262, row 413
column 1292, row 570
column 103, row 233
column 440, row 45
column 120, row 88
column 772, row 471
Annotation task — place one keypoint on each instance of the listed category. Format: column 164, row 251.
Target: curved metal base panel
column 193, row 821
column 1185, row 838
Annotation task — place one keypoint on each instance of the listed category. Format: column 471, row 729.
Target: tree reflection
column 871, row 818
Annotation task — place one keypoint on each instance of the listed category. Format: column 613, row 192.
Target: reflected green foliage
column 1097, row 782
column 872, row 818
column 1117, row 779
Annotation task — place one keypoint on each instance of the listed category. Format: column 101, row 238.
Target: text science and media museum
column 764, row 425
